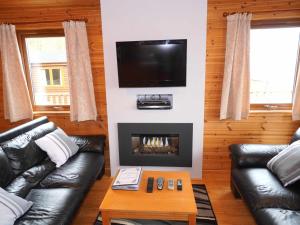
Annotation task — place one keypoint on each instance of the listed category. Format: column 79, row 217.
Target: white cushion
column 286, row 164
column 58, row 145
column 12, row 207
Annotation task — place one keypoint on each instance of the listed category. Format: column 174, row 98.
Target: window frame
column 21, row 35
column 268, row 24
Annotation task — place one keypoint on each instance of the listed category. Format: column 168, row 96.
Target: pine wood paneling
column 260, row 127
column 34, row 14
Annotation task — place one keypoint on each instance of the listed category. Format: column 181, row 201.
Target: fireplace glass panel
column 155, row 144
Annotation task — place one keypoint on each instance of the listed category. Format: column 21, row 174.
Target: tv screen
column 152, row 63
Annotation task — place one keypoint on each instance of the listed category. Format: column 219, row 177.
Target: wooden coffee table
column 163, row 205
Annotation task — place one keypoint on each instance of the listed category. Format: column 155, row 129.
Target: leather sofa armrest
column 253, row 155
column 296, row 136
column 91, row 143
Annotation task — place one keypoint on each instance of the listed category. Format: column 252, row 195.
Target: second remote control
column 150, row 184
column 160, row 183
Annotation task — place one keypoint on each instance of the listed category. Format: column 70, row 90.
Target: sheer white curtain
column 236, row 82
column 17, row 104
column 296, row 97
column 83, row 105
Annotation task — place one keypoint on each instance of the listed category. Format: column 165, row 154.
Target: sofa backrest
column 21, row 150
column 296, row 136
column 14, row 132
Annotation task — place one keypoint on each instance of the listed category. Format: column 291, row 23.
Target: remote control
column 179, row 185
column 150, row 184
column 160, row 183
column 170, row 184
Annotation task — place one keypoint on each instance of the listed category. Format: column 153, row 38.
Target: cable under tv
column 154, row 101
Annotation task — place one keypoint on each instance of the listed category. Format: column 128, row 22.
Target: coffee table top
column 159, row 201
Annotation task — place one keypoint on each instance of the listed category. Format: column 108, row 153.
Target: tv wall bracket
column 154, row 101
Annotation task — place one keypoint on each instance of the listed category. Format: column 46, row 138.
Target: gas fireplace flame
column 155, row 142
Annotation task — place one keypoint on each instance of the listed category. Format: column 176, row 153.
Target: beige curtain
column 17, row 104
column 236, row 88
column 82, row 106
column 296, row 96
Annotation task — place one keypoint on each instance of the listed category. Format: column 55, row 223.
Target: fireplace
column 155, row 144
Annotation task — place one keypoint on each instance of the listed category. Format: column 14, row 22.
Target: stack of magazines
column 128, row 179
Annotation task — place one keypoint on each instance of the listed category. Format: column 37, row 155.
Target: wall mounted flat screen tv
column 152, row 63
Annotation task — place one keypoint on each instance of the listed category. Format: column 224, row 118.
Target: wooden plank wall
column 34, row 14
column 260, row 127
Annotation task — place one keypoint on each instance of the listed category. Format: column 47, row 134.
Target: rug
column 205, row 215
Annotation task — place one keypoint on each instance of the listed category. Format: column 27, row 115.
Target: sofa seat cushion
column 277, row 216
column 78, row 172
column 261, row 189
column 22, row 151
column 51, row 206
column 22, row 184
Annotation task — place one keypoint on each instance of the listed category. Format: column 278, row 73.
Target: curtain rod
column 48, row 21
column 225, row 14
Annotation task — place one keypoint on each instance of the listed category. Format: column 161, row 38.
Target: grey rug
column 205, row 215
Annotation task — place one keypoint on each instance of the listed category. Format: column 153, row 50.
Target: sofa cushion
column 51, row 206
column 58, row 146
column 286, row 165
column 22, row 184
column 79, row 172
column 22, row 151
column 6, row 172
column 261, row 189
column 24, row 157
column 253, row 155
column 91, row 143
column 12, row 207
column 277, row 216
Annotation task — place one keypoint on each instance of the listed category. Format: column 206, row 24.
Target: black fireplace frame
column 183, row 159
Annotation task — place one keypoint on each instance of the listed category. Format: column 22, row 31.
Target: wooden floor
column 228, row 210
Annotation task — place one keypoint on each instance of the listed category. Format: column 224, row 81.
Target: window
column 53, row 76
column 273, row 56
column 56, row 77
column 45, row 62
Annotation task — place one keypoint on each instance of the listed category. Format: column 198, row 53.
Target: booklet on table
column 128, row 179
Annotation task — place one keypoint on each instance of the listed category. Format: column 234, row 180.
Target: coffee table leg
column 192, row 219
column 105, row 218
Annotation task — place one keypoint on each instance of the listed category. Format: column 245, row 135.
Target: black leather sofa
column 269, row 201
column 26, row 171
